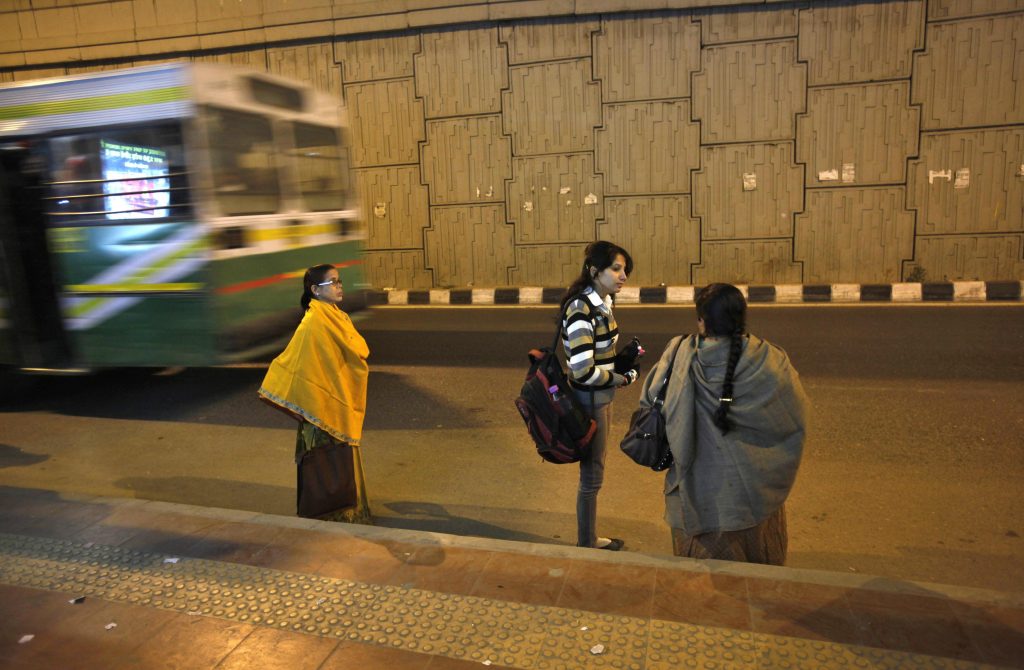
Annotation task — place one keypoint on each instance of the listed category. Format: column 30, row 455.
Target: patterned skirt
column 310, row 437
column 764, row 543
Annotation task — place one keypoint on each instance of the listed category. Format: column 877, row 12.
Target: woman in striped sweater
column 589, row 335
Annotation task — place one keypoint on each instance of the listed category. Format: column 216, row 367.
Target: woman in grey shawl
column 735, row 419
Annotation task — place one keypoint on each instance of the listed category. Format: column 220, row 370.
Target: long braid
column 722, row 413
column 722, row 312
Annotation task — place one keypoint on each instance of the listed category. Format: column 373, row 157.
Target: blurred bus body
column 163, row 216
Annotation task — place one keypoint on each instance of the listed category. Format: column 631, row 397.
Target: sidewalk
column 175, row 586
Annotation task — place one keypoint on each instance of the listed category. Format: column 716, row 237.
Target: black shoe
column 614, row 545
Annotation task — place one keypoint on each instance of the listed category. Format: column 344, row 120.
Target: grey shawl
column 733, row 481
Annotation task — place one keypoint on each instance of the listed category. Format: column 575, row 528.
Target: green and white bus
column 163, row 216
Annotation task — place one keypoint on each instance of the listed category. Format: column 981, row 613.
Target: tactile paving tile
column 430, row 622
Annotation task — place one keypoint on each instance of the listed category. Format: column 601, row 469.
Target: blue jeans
column 592, row 476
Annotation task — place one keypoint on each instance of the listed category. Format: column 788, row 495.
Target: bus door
column 31, row 328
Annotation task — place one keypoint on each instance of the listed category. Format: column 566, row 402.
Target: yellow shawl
column 320, row 377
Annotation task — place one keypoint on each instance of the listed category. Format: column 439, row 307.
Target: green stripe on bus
column 135, row 284
column 95, row 103
column 133, row 288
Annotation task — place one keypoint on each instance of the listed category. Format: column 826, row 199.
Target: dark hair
column 313, row 276
column 596, row 257
column 724, row 312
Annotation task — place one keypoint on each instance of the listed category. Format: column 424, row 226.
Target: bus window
column 321, row 167
column 242, row 155
column 123, row 173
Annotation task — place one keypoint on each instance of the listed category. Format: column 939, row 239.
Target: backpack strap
column 561, row 317
column 561, row 320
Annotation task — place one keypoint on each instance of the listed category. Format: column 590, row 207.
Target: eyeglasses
column 332, row 282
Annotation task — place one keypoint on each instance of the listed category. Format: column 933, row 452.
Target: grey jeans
column 592, row 476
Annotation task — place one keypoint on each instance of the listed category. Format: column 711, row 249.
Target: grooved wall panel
column 870, row 126
column 648, row 147
column 970, row 257
column 397, row 269
column 92, row 67
column 747, row 262
column 760, row 109
column 461, row 72
column 545, row 40
column 469, row 246
column 971, row 73
column 27, row 75
column 376, row 57
column 386, row 122
column 255, row 59
column 729, row 211
column 537, row 208
column 466, row 160
column 547, row 265
column 155, row 19
column 311, row 64
column 993, row 200
column 643, row 58
column 394, row 204
column 948, row 9
column 552, row 107
column 229, row 15
column 658, row 233
column 854, row 235
column 862, row 42
column 743, row 24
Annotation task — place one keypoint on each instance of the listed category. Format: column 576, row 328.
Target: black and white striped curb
column 957, row 291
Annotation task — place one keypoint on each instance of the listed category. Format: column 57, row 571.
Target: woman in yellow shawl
column 320, row 379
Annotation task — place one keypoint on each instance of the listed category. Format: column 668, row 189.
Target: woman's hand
column 627, row 378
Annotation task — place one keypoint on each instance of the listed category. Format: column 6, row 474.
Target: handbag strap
column 660, row 398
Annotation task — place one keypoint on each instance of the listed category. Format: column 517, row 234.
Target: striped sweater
column 589, row 337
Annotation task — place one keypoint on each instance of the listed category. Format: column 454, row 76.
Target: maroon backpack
column 559, row 425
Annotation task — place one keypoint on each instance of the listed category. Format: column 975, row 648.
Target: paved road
column 913, row 467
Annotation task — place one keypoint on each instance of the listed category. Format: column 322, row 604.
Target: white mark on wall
column 490, row 192
column 963, row 178
column 749, row 181
column 478, row 191
column 828, row 175
column 380, row 209
column 528, row 206
column 590, row 199
column 564, row 190
column 939, row 174
column 849, row 173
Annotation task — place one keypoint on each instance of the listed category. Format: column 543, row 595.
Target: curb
column 957, row 291
column 876, row 583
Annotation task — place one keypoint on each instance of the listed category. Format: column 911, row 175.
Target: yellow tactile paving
column 432, row 622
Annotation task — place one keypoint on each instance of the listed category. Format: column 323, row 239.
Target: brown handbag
column 645, row 441
column 327, row 480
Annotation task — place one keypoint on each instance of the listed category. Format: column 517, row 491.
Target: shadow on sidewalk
column 435, row 518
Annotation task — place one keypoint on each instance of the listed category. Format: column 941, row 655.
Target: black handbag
column 327, row 480
column 645, row 441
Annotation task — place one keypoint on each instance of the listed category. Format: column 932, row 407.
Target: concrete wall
column 762, row 143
